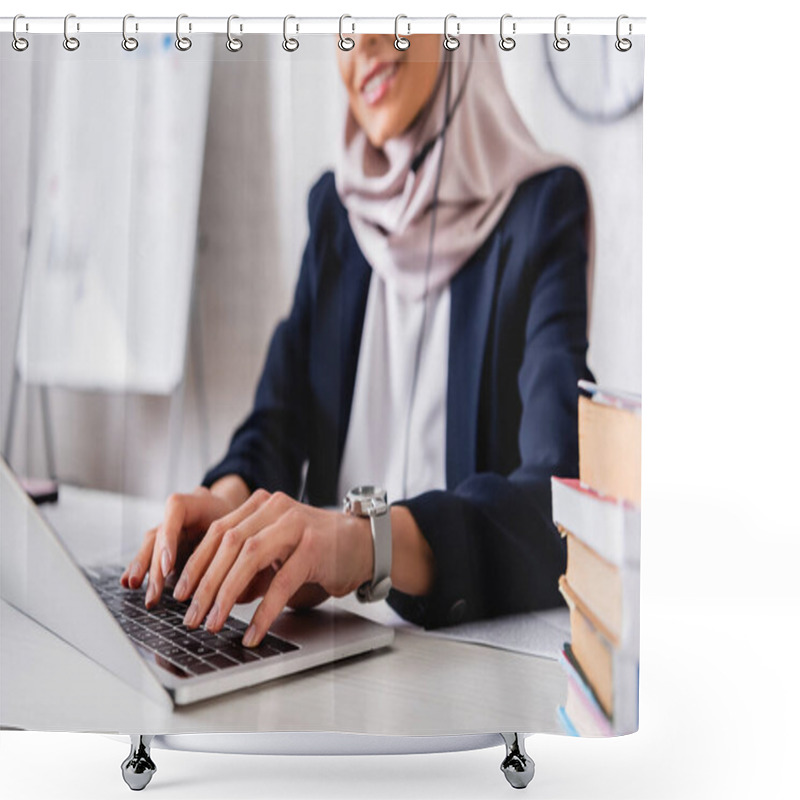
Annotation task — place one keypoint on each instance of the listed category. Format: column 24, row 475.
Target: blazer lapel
column 471, row 300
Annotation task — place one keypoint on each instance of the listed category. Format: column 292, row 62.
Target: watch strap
column 381, row 528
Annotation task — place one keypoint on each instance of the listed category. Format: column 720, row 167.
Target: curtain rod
column 515, row 26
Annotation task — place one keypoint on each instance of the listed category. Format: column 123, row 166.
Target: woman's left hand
column 271, row 545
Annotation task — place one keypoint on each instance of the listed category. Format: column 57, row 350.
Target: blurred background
column 153, row 214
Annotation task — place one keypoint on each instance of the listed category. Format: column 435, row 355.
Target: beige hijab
column 487, row 151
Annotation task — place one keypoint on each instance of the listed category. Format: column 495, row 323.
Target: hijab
column 458, row 164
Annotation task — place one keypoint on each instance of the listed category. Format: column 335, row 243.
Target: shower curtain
column 207, row 255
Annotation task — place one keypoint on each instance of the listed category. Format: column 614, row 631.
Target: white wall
column 274, row 126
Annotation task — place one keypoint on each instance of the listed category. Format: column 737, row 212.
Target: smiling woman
column 433, row 350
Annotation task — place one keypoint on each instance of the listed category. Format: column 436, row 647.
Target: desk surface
column 421, row 685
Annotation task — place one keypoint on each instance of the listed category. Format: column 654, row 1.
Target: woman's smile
column 378, row 81
column 386, row 89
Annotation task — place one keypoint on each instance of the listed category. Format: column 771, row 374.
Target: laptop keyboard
column 160, row 631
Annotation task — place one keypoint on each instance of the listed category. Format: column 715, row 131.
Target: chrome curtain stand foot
column 517, row 766
column 138, row 768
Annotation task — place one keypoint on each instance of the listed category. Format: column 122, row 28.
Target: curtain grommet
column 400, row 42
column 129, row 43
column 507, row 43
column 623, row 44
column 233, row 44
column 560, row 43
column 71, row 43
column 289, row 44
column 183, row 43
column 19, row 43
column 451, row 42
column 346, row 44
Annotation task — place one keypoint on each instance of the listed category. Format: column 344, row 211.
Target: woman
column 434, row 346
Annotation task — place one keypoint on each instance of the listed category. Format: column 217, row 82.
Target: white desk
column 421, row 685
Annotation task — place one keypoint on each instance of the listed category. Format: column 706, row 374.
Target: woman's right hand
column 186, row 519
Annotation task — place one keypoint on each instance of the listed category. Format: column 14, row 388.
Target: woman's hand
column 292, row 553
column 186, row 519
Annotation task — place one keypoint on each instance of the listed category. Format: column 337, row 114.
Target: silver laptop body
column 81, row 604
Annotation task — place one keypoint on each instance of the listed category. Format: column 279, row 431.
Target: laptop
column 152, row 650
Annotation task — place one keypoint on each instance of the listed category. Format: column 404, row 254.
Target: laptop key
column 147, row 637
column 202, row 635
column 281, row 645
column 180, row 639
column 242, row 655
column 187, row 660
column 220, row 661
column 230, row 635
column 173, row 634
column 246, row 655
column 131, row 627
column 171, row 651
column 199, row 649
column 201, row 668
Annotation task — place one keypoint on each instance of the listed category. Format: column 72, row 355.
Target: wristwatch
column 370, row 501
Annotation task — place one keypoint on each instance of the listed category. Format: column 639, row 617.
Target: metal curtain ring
column 70, row 42
column 400, row 42
column 183, row 43
column 289, row 44
column 17, row 42
column 507, row 42
column 128, row 42
column 451, row 42
column 345, row 42
column 623, row 45
column 233, row 44
column 561, row 43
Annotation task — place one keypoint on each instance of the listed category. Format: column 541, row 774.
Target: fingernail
column 180, row 588
column 191, row 614
column 133, row 575
column 151, row 591
column 249, row 638
column 211, row 621
column 165, row 563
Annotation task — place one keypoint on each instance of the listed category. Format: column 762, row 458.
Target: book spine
column 611, row 529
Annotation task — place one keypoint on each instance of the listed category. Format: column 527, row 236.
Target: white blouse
column 376, row 451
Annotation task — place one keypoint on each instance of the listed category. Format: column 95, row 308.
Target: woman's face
column 387, row 87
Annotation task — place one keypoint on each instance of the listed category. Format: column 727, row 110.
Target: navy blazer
column 516, row 351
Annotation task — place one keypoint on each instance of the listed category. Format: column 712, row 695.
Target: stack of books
column 600, row 516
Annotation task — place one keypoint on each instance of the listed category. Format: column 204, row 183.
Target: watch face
column 367, row 491
column 363, row 500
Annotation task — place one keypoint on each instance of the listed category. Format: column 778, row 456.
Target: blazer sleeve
column 270, row 446
column 496, row 548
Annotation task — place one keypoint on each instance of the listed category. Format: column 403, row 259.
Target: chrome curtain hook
column 345, row 42
column 128, row 42
column 290, row 44
column 233, row 44
column 623, row 45
column 451, row 42
column 400, row 42
column 17, row 42
column 507, row 42
column 561, row 43
column 183, row 43
column 70, row 43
